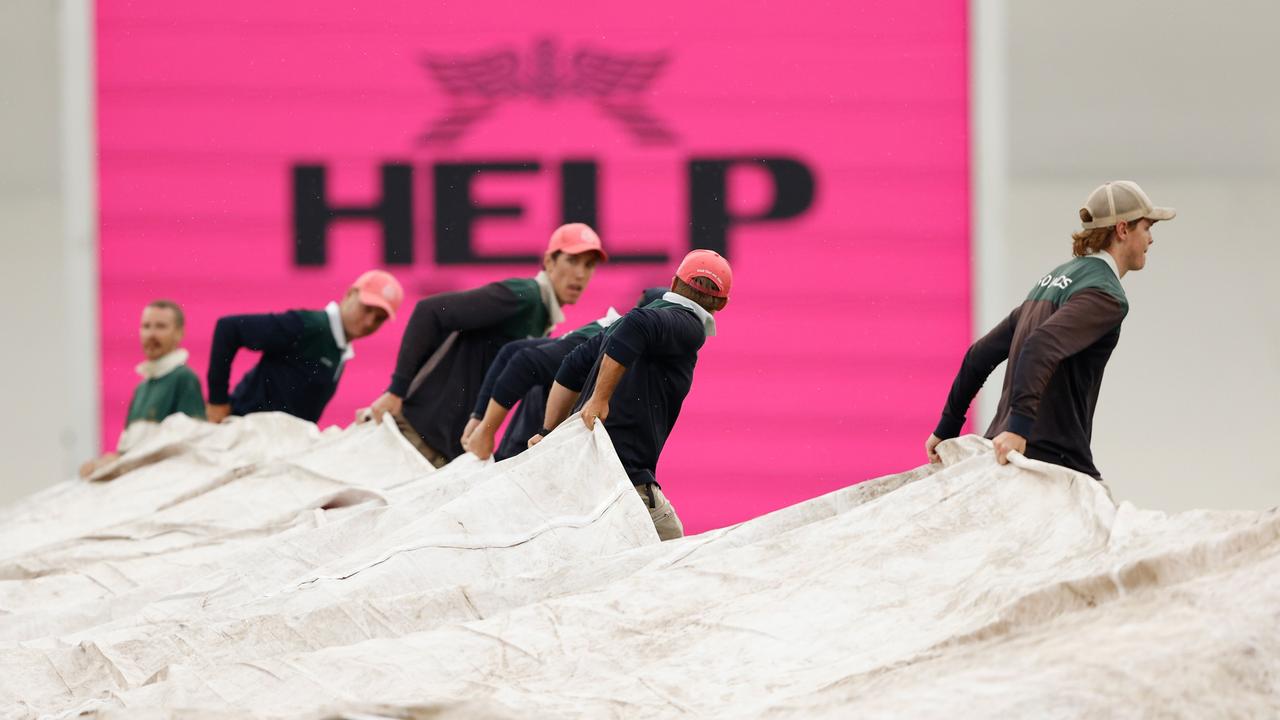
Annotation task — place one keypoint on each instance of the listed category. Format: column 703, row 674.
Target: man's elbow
column 225, row 335
column 1041, row 350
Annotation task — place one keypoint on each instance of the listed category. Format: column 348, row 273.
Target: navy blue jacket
column 523, row 373
column 527, row 374
column 658, row 344
column 299, row 370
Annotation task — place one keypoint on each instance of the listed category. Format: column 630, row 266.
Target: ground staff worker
column 303, row 351
column 635, row 375
column 452, row 339
column 168, row 386
column 523, row 373
column 1059, row 339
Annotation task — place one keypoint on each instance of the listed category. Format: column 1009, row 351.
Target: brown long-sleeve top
column 1057, row 343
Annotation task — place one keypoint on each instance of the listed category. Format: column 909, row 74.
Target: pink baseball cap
column 380, row 289
column 710, row 265
column 576, row 238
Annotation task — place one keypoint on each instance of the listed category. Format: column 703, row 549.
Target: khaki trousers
column 664, row 517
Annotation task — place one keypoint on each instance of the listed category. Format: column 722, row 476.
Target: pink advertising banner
column 257, row 156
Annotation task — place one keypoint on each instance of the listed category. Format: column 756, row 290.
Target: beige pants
column 664, row 517
column 432, row 455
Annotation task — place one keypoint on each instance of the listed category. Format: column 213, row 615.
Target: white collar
column 611, row 316
column 163, row 365
column 339, row 334
column 554, row 314
column 708, row 322
column 1105, row 257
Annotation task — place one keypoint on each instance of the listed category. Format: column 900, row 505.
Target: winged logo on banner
column 477, row 85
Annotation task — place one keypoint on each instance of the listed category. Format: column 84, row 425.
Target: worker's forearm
column 226, row 342
column 494, row 414
column 559, row 403
column 611, row 372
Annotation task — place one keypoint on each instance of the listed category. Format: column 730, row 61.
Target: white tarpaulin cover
column 262, row 568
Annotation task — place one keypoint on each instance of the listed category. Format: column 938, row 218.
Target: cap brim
column 373, row 299
column 1161, row 214
column 583, row 248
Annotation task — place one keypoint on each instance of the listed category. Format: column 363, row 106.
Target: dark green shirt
column 177, row 391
